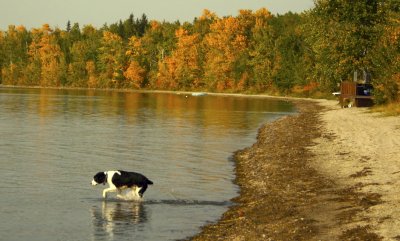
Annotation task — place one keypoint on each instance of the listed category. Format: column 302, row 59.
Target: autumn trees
column 135, row 73
column 255, row 51
column 212, row 53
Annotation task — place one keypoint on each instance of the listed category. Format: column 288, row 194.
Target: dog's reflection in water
column 116, row 218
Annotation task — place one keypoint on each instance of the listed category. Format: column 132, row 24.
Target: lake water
column 54, row 141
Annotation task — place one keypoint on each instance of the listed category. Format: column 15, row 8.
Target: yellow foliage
column 9, row 74
column 263, row 13
column 88, row 30
column 135, row 48
column 46, row 28
column 393, row 30
column 21, row 28
column 166, row 77
column 90, row 67
column 225, row 44
column 91, row 70
column 45, row 52
column 180, row 32
column 245, row 12
column 110, row 37
column 208, row 15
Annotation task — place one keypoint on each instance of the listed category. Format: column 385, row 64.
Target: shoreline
column 177, row 92
column 312, row 182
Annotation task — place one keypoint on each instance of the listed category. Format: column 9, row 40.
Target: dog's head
column 99, row 178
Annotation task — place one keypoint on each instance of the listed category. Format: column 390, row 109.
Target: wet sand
column 324, row 174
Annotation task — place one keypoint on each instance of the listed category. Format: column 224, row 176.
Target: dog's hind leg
column 119, row 194
column 141, row 190
column 136, row 190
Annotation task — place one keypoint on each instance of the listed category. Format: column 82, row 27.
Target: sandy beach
column 361, row 150
column 326, row 173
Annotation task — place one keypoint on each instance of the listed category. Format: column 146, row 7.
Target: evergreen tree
column 68, row 29
column 129, row 27
column 142, row 25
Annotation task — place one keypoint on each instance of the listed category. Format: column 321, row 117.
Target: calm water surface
column 54, row 141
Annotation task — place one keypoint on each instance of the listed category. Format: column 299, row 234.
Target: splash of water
column 129, row 195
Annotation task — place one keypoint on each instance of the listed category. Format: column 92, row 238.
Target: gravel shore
column 305, row 180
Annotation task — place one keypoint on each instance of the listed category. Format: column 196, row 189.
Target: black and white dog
column 120, row 180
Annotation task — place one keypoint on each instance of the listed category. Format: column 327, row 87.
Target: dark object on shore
column 355, row 94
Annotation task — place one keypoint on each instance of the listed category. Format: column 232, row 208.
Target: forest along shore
column 325, row 173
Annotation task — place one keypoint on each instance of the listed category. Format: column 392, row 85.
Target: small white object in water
column 199, row 94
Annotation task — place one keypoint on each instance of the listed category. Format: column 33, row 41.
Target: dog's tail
column 149, row 182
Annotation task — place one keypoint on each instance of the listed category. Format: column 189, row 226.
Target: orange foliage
column 182, row 69
column 311, row 86
column 154, row 25
column 135, row 74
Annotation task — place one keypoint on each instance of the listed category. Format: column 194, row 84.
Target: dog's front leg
column 105, row 191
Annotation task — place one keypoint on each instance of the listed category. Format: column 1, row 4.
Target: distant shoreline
column 178, row 92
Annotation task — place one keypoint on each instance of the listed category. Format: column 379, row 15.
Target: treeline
column 299, row 54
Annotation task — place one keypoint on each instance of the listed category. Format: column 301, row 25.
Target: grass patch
column 392, row 109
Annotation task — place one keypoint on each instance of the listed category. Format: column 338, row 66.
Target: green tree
column 14, row 55
column 387, row 58
column 111, row 60
column 343, row 35
column 262, row 53
column 158, row 42
column 129, row 26
column 290, row 52
column 68, row 28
